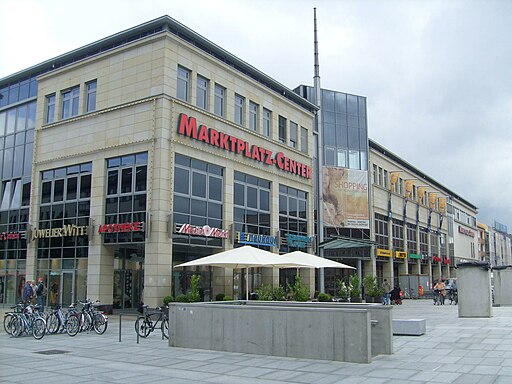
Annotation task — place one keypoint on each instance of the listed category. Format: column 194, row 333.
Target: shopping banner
column 345, row 198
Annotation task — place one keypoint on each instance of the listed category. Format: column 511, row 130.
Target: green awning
column 346, row 242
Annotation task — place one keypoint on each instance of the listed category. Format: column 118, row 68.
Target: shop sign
column 4, row 236
column 255, row 239
column 187, row 126
column 65, row 231
column 466, row 232
column 384, row 252
column 137, row 226
column 205, row 230
column 414, row 256
column 298, row 241
column 401, row 255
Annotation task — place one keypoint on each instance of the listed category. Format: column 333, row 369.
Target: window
column 267, row 122
column 303, row 140
column 50, row 109
column 398, row 235
column 353, row 159
column 70, row 102
column 203, row 86
column 411, row 238
column 293, row 214
column 253, row 116
column 282, row 129
column 342, row 158
column 381, row 231
column 91, row 96
column 293, row 134
column 220, row 100
column 239, row 109
column 183, row 91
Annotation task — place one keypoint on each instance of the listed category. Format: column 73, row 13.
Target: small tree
column 299, row 291
column 194, row 295
column 265, row 292
column 355, row 281
column 344, row 290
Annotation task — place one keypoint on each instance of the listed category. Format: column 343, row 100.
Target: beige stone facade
column 138, row 111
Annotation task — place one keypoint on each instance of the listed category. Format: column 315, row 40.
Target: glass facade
column 293, row 215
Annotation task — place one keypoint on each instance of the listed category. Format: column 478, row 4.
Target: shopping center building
column 143, row 150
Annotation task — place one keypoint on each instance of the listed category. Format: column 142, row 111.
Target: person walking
column 27, row 293
column 386, row 297
column 441, row 288
column 40, row 294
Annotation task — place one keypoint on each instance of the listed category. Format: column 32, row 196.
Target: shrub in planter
column 194, row 295
column 168, row 299
column 182, row 298
column 324, row 297
column 298, row 291
column 265, row 292
column 219, row 297
column 355, row 294
column 228, row 298
column 343, row 290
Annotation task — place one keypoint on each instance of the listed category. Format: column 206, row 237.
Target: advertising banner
column 345, row 194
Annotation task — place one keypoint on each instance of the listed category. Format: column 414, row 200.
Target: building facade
column 144, row 150
column 421, row 229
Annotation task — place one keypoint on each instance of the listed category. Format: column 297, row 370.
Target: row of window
column 66, row 104
column 18, row 91
column 245, row 113
column 437, row 241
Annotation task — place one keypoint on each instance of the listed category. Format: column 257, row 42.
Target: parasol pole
column 247, row 283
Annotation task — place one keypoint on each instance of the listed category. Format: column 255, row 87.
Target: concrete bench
column 409, row 327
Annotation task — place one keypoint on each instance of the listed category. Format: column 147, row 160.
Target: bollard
column 120, row 318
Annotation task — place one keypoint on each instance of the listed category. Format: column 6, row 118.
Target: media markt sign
column 205, row 230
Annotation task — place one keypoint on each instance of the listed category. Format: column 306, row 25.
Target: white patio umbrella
column 315, row 261
column 246, row 257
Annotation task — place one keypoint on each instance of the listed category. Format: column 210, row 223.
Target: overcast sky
column 437, row 74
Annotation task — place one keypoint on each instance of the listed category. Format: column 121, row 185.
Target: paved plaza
column 454, row 350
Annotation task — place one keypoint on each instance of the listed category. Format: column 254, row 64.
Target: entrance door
column 67, row 291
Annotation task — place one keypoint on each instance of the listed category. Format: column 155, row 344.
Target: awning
column 346, row 242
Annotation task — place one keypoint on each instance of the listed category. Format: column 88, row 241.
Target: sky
column 437, row 75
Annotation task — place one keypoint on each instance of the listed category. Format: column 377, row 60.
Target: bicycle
column 10, row 316
column 452, row 296
column 86, row 320
column 145, row 324
column 29, row 321
column 438, row 297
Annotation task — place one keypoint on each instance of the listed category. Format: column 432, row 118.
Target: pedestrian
column 395, row 295
column 386, row 295
column 27, row 293
column 441, row 288
column 54, row 295
column 40, row 294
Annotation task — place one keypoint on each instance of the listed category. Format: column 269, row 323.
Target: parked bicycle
column 57, row 321
column 438, row 297
column 150, row 320
column 452, row 296
column 28, row 321
column 86, row 319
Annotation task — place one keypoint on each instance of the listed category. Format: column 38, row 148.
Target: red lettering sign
column 137, row 226
column 205, row 230
column 187, row 126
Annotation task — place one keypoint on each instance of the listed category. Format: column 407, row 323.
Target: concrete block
column 409, row 327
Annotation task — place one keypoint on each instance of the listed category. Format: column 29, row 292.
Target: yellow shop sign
column 401, row 255
column 384, row 252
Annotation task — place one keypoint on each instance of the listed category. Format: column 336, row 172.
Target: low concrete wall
column 341, row 334
column 381, row 316
column 503, row 287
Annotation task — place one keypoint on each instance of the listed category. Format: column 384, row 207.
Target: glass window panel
column 70, row 209
column 112, row 182
column 21, row 122
column 283, row 205
column 111, row 205
column 329, row 134
column 252, row 197
column 220, row 102
column 13, row 93
column 71, row 188
column 239, row 198
column 139, row 202
column 126, row 180
column 113, row 163
column 353, row 121
column 202, row 92
column 330, row 156
column 84, row 208
column 328, row 100
column 19, row 138
column 353, row 138
column 198, row 207
column 31, row 115
column 9, row 141
column 57, row 213
column 25, row 197
column 140, row 178
column 239, row 109
column 353, row 159
column 11, row 121
column 199, row 165
column 215, row 188
column 329, row 117
column 125, row 204
column 198, row 184
column 183, row 87
column 239, row 215
column 58, row 193
column 181, row 180
column 341, row 102
column 24, row 88
column 128, row 160
column 352, row 105
column 141, row 158
column 264, row 200
column 342, row 158
column 292, row 204
column 362, row 106
column 46, row 192
column 182, row 160
column 214, row 210
column 85, row 186
column 3, row 118
column 19, row 154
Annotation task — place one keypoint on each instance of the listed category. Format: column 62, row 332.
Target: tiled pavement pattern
column 454, row 350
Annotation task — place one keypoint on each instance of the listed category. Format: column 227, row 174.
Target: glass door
column 67, row 292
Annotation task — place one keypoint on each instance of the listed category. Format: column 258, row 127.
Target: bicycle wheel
column 142, row 327
column 38, row 328
column 17, row 326
column 52, row 323
column 8, row 319
column 100, row 323
column 86, row 322
column 73, row 324
column 165, row 327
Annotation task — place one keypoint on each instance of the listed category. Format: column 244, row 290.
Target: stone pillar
column 502, row 286
column 474, row 289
